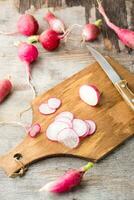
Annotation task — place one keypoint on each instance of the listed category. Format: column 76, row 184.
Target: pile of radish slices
column 68, row 130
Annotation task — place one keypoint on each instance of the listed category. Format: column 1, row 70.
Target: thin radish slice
column 54, row 103
column 67, row 114
column 89, row 94
column 45, row 109
column 92, row 127
column 80, row 127
column 64, row 119
column 54, row 129
column 69, row 138
column 88, row 127
column 34, row 130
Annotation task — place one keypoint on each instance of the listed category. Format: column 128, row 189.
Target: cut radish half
column 54, row 103
column 89, row 94
column 80, row 127
column 54, row 129
column 66, row 114
column 45, row 109
column 64, row 119
column 69, row 138
column 34, row 130
column 92, row 127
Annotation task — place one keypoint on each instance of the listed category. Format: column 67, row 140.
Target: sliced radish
column 54, row 103
column 80, row 127
column 69, row 138
column 89, row 94
column 45, row 109
column 66, row 114
column 92, row 127
column 88, row 129
column 54, row 129
column 64, row 119
column 34, row 130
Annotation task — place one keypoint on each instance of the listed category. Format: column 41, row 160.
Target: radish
column 34, row 130
column 45, row 109
column 54, row 129
column 66, row 114
column 5, row 89
column 54, row 103
column 69, row 138
column 64, row 119
column 28, row 53
column 27, row 25
column 70, row 179
column 92, row 126
column 55, row 23
column 91, row 31
column 89, row 94
column 80, row 127
column 126, row 36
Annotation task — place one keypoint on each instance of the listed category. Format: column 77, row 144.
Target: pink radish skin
column 45, row 109
column 92, row 127
column 54, row 103
column 54, row 129
column 34, row 130
column 126, row 36
column 56, row 24
column 90, row 32
column 65, row 120
column 80, row 127
column 69, row 138
column 65, row 183
column 66, row 114
column 5, row 89
column 90, row 94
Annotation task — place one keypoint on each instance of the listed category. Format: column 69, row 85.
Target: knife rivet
column 122, row 85
column 132, row 100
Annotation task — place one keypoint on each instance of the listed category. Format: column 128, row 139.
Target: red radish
column 54, row 129
column 55, row 23
column 34, row 130
column 28, row 53
column 45, row 109
column 65, row 183
column 92, row 127
column 89, row 94
column 5, row 89
column 54, row 103
column 27, row 25
column 64, row 119
column 66, row 114
column 69, row 138
column 91, row 31
column 80, row 127
column 125, row 35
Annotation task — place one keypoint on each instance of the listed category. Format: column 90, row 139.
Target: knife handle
column 126, row 93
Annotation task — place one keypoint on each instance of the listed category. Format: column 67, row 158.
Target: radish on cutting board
column 45, row 109
column 80, row 127
column 34, row 130
column 89, row 94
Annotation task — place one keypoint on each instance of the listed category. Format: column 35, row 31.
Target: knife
column 120, row 84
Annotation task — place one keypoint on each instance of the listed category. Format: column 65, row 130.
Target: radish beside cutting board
column 114, row 119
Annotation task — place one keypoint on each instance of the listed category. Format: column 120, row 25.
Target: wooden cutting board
column 114, row 119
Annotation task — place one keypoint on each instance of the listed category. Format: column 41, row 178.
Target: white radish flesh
column 89, row 94
column 67, row 114
column 88, row 127
column 54, row 129
column 80, row 127
column 65, row 120
column 69, row 138
column 45, row 109
column 92, row 127
column 54, row 103
column 34, row 130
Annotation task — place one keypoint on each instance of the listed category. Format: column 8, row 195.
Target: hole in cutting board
column 18, row 156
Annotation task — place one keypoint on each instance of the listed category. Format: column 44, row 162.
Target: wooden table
column 111, row 178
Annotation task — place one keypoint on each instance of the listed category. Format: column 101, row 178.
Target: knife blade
column 119, row 83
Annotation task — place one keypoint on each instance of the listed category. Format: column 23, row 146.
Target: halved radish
column 54, row 129
column 92, row 127
column 69, row 138
column 34, row 130
column 64, row 119
column 80, row 127
column 89, row 94
column 54, row 103
column 67, row 114
column 45, row 109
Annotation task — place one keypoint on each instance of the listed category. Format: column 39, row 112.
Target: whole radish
column 28, row 53
column 126, row 36
column 5, row 89
column 27, row 25
column 65, row 183
column 49, row 39
column 91, row 32
column 55, row 23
